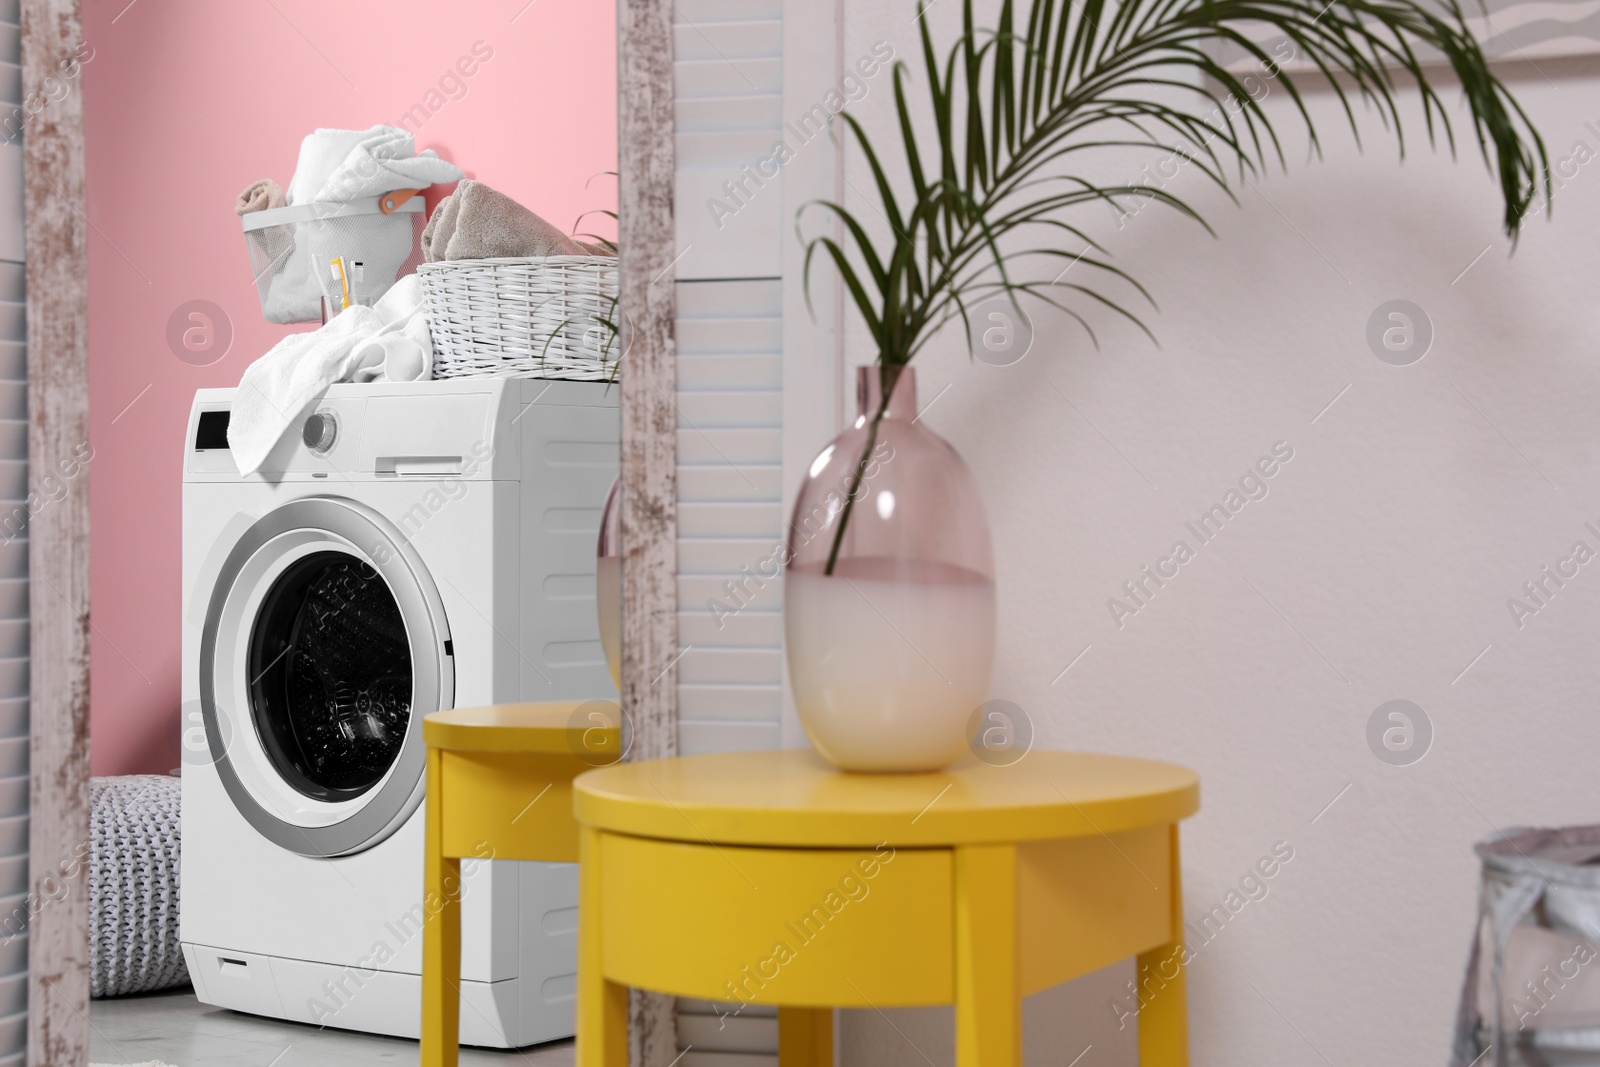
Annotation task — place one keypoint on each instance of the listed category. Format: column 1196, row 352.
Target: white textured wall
column 1377, row 568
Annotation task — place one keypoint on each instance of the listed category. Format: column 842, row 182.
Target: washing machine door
column 325, row 643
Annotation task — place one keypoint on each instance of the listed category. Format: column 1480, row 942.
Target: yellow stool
column 771, row 878
column 499, row 784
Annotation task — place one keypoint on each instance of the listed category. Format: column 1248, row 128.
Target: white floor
column 176, row 1028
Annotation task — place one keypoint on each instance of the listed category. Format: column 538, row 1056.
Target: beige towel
column 595, row 248
column 476, row 222
column 259, row 196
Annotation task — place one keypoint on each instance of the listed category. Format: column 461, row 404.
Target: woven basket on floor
column 535, row 317
column 133, row 885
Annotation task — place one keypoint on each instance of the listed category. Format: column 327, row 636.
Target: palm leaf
column 1011, row 107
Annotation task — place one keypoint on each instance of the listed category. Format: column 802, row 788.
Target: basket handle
column 389, row 203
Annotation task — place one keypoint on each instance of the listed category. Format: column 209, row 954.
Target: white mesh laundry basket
column 532, row 317
column 292, row 249
column 133, row 885
column 1532, row 990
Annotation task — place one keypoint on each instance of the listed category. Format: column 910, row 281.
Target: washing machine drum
column 324, row 646
column 330, row 676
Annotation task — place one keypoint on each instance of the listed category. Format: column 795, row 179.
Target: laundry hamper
column 529, row 317
column 134, row 833
column 292, row 250
column 1532, row 989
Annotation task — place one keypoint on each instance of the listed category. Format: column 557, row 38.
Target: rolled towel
column 477, row 222
column 321, row 152
column 345, row 165
column 259, row 196
column 596, row 248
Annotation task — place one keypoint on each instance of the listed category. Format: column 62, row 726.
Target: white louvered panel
column 696, row 1006
column 700, row 39
column 720, row 558
column 698, row 1058
column 730, row 372
column 716, row 521
column 11, row 200
column 727, row 410
column 729, row 113
column 694, row 590
column 728, row 74
column 732, row 1033
column 730, row 703
column 14, row 641
column 737, row 447
column 755, row 299
column 702, row 79
column 731, row 335
column 722, row 666
column 11, row 58
column 696, row 736
column 727, row 10
column 721, row 482
column 730, row 1059
column 747, row 629
column 713, row 244
column 729, row 83
column 726, row 1035
column 724, row 150
column 729, row 515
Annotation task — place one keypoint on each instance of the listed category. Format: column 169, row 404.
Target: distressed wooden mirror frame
column 55, row 233
column 56, row 238
column 647, row 236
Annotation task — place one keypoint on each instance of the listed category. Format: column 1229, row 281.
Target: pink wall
column 189, row 101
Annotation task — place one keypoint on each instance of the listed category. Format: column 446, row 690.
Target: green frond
column 1009, row 108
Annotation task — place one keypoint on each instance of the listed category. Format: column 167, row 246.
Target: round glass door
column 324, row 645
column 330, row 670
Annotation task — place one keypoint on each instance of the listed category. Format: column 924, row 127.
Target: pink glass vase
column 889, row 606
column 608, row 582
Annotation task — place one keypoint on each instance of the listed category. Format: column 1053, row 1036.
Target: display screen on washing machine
column 330, row 670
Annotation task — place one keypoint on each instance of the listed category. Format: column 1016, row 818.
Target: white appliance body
column 433, row 547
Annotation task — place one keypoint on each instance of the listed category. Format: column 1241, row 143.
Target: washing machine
column 405, row 548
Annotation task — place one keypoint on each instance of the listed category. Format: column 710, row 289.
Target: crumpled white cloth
column 351, row 164
column 386, row 342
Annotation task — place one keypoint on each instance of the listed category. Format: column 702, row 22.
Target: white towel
column 294, row 288
column 321, row 152
column 398, row 353
column 352, row 164
column 402, row 349
column 277, row 388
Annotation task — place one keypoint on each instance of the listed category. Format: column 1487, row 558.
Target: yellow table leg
column 988, row 1001
column 602, row 1004
column 441, row 937
column 1161, row 973
column 805, row 1037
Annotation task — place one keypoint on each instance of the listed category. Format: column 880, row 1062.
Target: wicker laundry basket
column 533, row 317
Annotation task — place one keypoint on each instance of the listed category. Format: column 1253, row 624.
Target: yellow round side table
column 500, row 785
column 771, row 878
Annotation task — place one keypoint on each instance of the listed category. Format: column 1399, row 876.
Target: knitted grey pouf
column 133, row 885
